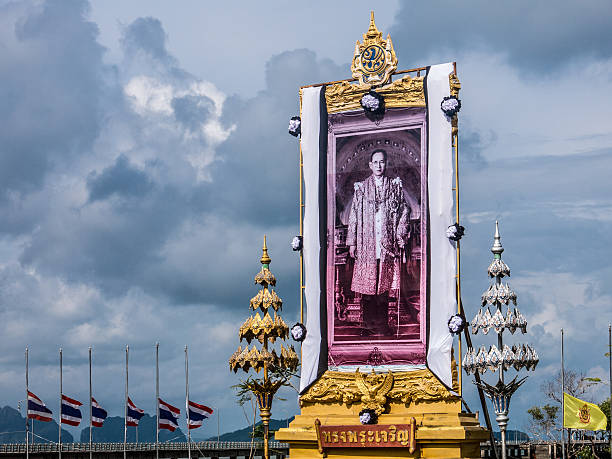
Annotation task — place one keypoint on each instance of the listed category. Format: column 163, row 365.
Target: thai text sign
column 368, row 436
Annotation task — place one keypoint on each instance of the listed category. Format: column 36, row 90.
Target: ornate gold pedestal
column 336, row 399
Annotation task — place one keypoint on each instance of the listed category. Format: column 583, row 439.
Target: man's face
column 378, row 164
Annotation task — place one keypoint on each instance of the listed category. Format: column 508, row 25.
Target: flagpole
column 610, row 363
column 60, row 411
column 157, row 400
column 90, row 408
column 125, row 408
column 562, row 399
column 27, row 403
column 187, row 401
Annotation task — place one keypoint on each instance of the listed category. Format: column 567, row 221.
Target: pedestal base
column 442, row 430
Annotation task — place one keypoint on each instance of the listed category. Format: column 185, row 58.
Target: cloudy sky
column 144, row 154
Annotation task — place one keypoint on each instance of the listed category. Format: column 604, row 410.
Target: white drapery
column 311, row 346
column 443, row 261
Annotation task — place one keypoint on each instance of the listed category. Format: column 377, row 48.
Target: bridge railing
column 174, row 446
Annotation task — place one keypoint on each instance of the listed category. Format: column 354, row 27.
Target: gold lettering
column 343, row 436
column 335, row 436
column 402, row 437
column 352, row 436
column 362, row 437
column 383, row 433
column 377, row 437
column 370, row 436
column 326, row 436
column 392, row 430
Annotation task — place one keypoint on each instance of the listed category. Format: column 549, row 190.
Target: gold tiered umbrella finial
column 266, row 329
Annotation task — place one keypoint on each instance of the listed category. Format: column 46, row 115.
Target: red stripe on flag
column 38, row 417
column 69, row 422
column 131, row 403
column 174, row 409
column 164, row 424
column 71, row 400
column 202, row 407
column 30, row 394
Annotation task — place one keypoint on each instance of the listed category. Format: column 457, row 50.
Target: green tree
column 544, row 422
column 605, row 407
column 258, row 432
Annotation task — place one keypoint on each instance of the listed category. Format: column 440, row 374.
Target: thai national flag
column 71, row 414
column 133, row 414
column 197, row 414
column 98, row 414
column 37, row 409
column 168, row 416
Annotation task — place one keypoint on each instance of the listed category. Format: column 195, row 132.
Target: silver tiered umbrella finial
column 501, row 357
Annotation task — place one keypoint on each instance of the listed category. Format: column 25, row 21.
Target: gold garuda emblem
column 584, row 414
column 374, row 60
column 374, row 389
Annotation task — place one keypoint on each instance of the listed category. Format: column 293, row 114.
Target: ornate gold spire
column 373, row 35
column 264, row 277
column 265, row 259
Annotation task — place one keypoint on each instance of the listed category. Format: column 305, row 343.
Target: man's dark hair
column 380, row 150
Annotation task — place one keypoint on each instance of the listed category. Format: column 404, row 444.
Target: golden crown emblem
column 374, row 60
column 584, row 414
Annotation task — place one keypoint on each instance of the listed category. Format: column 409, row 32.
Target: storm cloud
column 535, row 38
column 135, row 194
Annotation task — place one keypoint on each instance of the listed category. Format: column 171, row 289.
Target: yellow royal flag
column 582, row 415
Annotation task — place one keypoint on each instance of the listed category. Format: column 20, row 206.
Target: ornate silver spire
column 497, row 248
column 498, row 268
column 501, row 357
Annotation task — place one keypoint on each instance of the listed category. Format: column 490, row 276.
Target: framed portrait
column 377, row 250
column 379, row 197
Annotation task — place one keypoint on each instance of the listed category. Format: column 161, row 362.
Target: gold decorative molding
column 454, row 372
column 455, row 84
column 374, row 60
column 405, row 92
column 405, row 387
